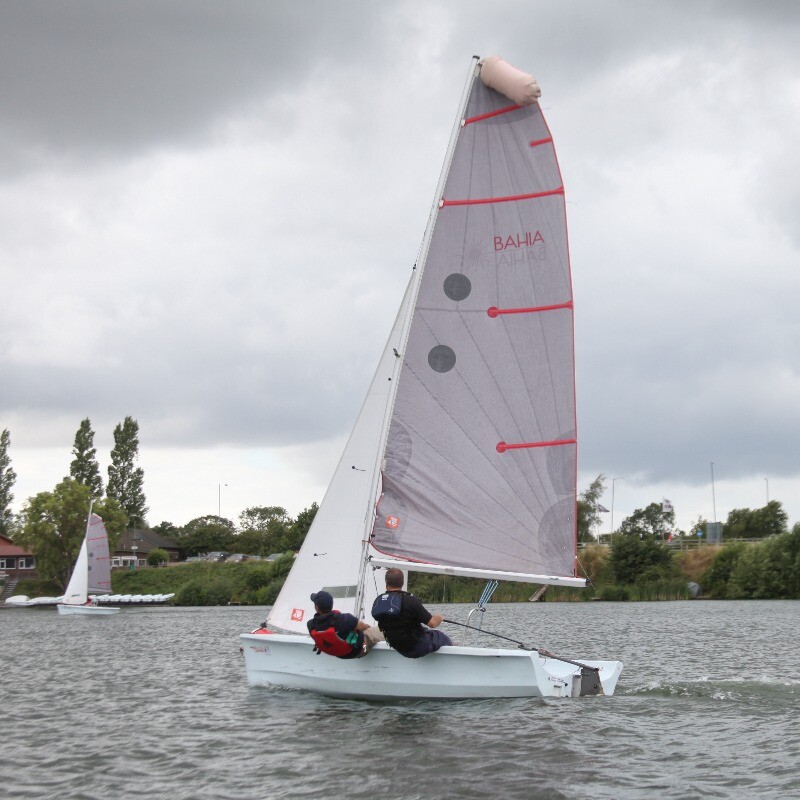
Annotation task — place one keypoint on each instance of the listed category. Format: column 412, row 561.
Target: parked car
column 238, row 557
column 217, row 556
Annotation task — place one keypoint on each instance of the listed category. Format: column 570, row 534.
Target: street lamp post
column 713, row 495
column 613, row 488
column 219, row 499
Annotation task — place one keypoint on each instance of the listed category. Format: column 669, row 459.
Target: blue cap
column 323, row 599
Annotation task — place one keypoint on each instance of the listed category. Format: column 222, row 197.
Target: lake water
column 153, row 703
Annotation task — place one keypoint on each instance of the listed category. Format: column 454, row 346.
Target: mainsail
column 480, row 462
column 99, row 557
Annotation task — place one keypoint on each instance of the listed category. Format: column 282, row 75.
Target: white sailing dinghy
column 92, row 573
column 463, row 458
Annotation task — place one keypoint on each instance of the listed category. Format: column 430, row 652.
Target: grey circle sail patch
column 457, row 286
column 441, row 358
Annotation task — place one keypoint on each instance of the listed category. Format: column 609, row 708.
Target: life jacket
column 400, row 632
column 387, row 606
column 328, row 641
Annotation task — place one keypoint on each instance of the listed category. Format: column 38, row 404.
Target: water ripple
column 153, row 703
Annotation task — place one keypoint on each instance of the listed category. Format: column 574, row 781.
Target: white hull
column 450, row 673
column 22, row 601
column 88, row 611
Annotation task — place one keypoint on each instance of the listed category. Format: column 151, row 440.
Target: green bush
column 217, row 593
column 614, row 592
column 194, row 593
column 677, row 589
column 210, row 583
column 38, row 588
column 634, row 559
column 715, row 580
column 767, row 570
column 190, row 594
column 157, row 556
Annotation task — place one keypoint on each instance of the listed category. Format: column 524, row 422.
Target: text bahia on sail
column 463, row 459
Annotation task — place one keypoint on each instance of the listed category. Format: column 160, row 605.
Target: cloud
column 208, row 216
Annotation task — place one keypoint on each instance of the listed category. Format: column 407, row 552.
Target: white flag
column 666, row 506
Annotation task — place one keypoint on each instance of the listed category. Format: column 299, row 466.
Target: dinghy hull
column 452, row 673
column 87, row 611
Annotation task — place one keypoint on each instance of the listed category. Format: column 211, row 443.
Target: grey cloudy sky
column 209, row 210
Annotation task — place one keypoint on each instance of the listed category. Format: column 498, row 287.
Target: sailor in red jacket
column 338, row 634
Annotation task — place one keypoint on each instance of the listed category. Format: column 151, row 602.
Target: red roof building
column 16, row 563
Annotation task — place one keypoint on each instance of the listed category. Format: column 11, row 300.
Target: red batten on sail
column 503, row 446
column 491, row 114
column 512, row 199
column 496, row 312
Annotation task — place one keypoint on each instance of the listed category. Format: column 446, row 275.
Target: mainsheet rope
column 522, row 646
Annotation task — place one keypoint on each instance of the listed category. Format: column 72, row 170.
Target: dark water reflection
column 153, row 703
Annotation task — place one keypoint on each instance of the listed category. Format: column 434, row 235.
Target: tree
column 746, row 523
column 588, row 509
column 771, row 519
column 264, row 530
column 300, row 527
column 84, row 467
column 699, row 528
column 7, row 479
column 125, row 479
column 767, row 570
column 54, row 524
column 650, row 522
column 167, row 529
column 636, row 560
column 205, row 535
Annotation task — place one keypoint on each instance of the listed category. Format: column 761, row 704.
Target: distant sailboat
column 463, row 459
column 91, row 574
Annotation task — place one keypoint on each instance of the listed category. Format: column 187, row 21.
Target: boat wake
column 749, row 689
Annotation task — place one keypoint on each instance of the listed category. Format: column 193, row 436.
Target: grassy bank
column 446, row 589
column 206, row 583
column 199, row 583
column 763, row 570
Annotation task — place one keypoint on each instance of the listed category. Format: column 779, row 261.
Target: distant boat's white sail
column 480, row 467
column 77, row 592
